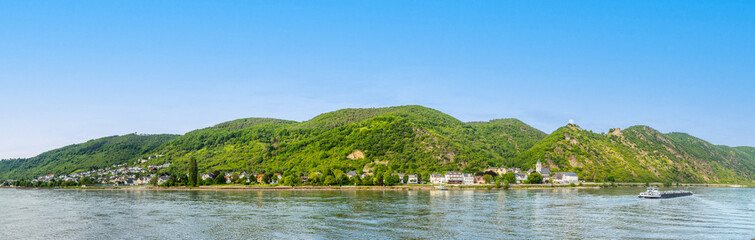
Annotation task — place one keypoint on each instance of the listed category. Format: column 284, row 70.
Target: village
column 122, row 175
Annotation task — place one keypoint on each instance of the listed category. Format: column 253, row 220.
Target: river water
column 712, row 213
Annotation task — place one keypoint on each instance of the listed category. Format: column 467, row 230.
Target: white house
column 412, row 179
column 401, row 177
column 206, row 176
column 162, row 179
column 144, row 180
column 453, row 177
column 437, row 178
column 565, row 177
column 520, row 177
column 467, row 179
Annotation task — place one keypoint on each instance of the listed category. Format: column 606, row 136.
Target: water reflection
column 548, row 213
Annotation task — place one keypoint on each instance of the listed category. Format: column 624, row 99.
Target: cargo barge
column 652, row 192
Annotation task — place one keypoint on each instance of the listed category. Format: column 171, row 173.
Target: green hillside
column 639, row 154
column 411, row 139
column 98, row 153
column 404, row 139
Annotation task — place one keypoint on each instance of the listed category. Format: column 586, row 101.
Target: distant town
column 144, row 175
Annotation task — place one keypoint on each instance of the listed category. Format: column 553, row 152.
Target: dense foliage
column 94, row 154
column 640, row 154
column 406, row 139
column 411, row 139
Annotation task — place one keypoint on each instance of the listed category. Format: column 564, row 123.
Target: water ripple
column 712, row 213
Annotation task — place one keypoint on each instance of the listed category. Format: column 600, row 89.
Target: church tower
column 538, row 166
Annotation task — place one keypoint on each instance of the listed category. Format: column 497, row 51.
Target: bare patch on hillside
column 355, row 155
column 573, row 161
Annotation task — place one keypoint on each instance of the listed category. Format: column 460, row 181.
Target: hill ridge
column 423, row 140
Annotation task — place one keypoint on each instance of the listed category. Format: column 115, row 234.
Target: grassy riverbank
column 409, row 187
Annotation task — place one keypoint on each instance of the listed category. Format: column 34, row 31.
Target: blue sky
column 71, row 71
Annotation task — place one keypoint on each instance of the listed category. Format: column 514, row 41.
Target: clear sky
column 71, row 71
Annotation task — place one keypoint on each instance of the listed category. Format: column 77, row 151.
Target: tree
column 342, row 179
column 315, row 178
column 498, row 183
column 509, row 177
column 289, row 180
column 357, row 180
column 193, row 172
column 153, row 180
column 388, row 180
column 379, row 179
column 87, row 181
column 234, row 177
column 406, row 178
column 488, row 178
column 329, row 180
column 269, row 178
column 219, row 179
column 535, row 178
column 337, row 172
column 171, row 181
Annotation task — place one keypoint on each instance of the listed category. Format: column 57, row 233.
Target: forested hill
column 404, row 139
column 412, row 139
column 641, row 154
column 98, row 153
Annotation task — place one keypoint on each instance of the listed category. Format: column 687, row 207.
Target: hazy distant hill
column 412, row 139
column 97, row 153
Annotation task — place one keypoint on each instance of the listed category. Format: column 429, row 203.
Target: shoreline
column 372, row 188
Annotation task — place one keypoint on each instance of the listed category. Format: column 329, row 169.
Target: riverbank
column 411, row 187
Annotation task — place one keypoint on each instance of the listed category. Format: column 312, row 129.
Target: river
column 712, row 213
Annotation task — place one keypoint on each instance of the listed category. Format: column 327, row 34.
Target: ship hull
column 668, row 195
